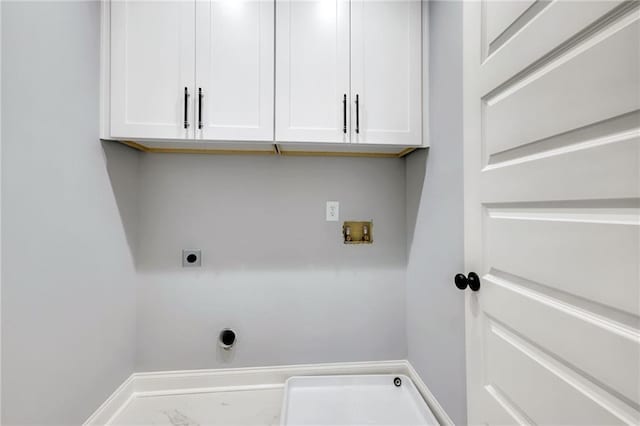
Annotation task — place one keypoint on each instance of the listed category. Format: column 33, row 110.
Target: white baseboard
column 114, row 404
column 201, row 381
column 430, row 399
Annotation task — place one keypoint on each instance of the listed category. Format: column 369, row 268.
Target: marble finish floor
column 255, row 407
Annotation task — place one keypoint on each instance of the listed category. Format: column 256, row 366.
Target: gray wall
column 435, row 308
column 68, row 284
column 273, row 268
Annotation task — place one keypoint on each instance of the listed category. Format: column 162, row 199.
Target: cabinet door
column 152, row 63
column 386, row 86
column 312, row 70
column 234, row 70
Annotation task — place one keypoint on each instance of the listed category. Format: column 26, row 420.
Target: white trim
column 426, row 87
column 178, row 381
column 230, row 379
column 105, row 69
column 437, row 410
column 114, row 404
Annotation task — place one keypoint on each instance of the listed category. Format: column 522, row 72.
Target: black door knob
column 461, row 281
column 472, row 281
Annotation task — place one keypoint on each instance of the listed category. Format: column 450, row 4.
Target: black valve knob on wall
column 472, row 281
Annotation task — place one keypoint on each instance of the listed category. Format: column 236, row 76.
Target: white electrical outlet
column 333, row 211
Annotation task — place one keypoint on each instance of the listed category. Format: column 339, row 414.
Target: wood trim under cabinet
column 276, row 151
column 212, row 151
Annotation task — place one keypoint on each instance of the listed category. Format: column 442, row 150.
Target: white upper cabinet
column 386, row 77
column 234, row 70
column 192, row 70
column 367, row 50
column 292, row 72
column 312, row 71
column 152, row 64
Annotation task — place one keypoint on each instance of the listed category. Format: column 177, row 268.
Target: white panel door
column 234, row 70
column 312, row 70
column 152, row 69
column 386, row 71
column 552, row 211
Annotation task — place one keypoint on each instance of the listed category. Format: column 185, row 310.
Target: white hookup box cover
column 354, row 400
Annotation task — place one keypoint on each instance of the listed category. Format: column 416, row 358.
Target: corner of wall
column 435, row 244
